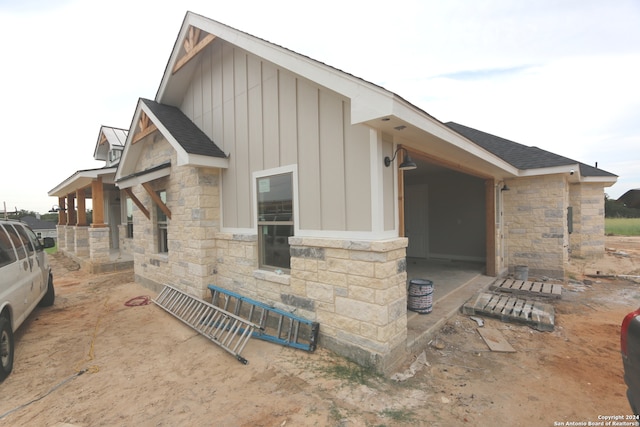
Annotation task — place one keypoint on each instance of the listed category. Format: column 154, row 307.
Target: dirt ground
column 141, row 367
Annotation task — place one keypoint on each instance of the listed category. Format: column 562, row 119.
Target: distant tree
column 616, row 209
column 51, row 217
column 17, row 214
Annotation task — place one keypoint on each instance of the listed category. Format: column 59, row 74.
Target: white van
column 25, row 282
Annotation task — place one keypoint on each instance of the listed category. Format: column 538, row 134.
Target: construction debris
column 508, row 308
column 495, row 340
column 417, row 364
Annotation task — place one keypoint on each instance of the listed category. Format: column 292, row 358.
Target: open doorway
column 445, row 221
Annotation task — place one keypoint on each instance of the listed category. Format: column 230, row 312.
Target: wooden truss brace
column 157, row 200
column 103, row 138
column 146, row 128
column 192, row 46
column 137, row 202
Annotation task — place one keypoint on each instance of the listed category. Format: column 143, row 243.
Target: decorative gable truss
column 145, row 128
column 193, row 148
column 192, row 46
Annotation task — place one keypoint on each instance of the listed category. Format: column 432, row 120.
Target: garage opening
column 445, row 220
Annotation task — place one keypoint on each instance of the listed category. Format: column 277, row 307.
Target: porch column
column 62, row 213
column 71, row 210
column 82, row 210
column 97, row 192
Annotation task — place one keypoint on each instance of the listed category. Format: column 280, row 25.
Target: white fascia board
column 184, row 158
column 144, row 177
column 564, row 169
column 80, row 179
column 315, row 71
column 198, row 160
column 408, row 113
column 131, row 151
column 607, row 180
column 182, row 154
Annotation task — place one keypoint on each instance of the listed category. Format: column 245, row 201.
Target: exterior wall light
column 407, row 163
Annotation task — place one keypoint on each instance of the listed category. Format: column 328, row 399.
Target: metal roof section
column 108, row 139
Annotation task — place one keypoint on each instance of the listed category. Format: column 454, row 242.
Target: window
column 7, row 255
column 18, row 243
column 162, row 224
column 114, row 155
column 35, row 239
column 275, row 220
column 129, row 218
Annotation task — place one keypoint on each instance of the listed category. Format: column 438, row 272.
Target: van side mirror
column 49, row 242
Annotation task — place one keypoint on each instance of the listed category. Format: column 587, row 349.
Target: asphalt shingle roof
column 185, row 132
column 521, row 156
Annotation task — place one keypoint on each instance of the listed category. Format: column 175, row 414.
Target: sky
column 562, row 75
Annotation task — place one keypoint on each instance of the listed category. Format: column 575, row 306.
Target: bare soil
column 91, row 360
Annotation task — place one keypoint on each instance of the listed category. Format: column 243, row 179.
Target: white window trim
column 293, row 170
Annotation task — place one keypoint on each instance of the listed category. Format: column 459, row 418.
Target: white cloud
column 71, row 66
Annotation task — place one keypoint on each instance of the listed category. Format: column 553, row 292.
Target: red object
column 624, row 330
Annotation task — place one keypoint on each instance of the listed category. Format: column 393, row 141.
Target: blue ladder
column 275, row 325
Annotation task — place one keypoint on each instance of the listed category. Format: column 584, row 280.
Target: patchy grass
column 622, row 226
column 352, row 373
column 399, row 415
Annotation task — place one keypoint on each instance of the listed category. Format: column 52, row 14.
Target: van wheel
column 6, row 348
column 48, row 298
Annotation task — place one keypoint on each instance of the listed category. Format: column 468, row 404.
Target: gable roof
column 193, row 147
column 631, row 198
column 522, row 156
column 370, row 104
column 190, row 137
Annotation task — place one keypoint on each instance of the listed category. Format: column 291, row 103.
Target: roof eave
column 199, row 160
column 142, row 177
column 81, row 179
column 608, row 181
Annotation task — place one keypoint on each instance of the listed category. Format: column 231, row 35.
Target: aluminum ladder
column 228, row 330
column 275, row 325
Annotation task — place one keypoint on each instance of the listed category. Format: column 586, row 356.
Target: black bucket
column 420, row 297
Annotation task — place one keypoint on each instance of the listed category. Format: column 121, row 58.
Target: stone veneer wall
column 535, row 224
column 587, row 200
column 356, row 290
column 82, row 242
column 70, row 238
column 194, row 201
column 125, row 243
column 62, row 237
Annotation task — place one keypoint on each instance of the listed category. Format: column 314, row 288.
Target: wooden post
column 71, row 210
column 62, row 213
column 97, row 195
column 82, row 210
column 156, row 199
column 137, row 202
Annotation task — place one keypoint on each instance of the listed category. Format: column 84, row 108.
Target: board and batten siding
column 266, row 118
